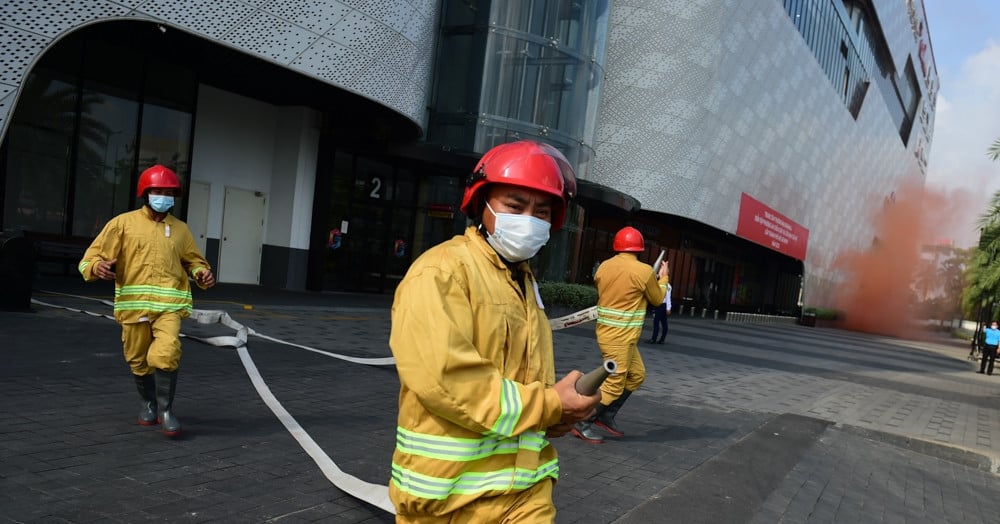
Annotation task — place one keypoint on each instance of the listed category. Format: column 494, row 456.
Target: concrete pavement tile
column 702, row 396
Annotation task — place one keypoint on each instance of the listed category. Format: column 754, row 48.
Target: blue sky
column 965, row 38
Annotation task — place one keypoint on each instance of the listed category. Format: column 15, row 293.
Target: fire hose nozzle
column 590, row 383
column 659, row 262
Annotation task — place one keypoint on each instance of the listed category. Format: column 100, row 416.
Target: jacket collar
column 148, row 213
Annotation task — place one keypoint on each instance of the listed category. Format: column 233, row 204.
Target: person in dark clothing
column 660, row 314
column 991, row 337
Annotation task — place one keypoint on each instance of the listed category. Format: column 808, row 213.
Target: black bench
column 58, row 250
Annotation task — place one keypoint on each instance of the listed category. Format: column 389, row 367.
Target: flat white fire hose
column 374, row 494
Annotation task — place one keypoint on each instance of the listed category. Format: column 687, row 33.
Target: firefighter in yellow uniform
column 478, row 398
column 149, row 254
column 625, row 287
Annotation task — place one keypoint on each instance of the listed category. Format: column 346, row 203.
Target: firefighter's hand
column 105, row 269
column 576, row 407
column 664, row 270
column 205, row 279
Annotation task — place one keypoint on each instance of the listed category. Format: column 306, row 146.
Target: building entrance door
column 242, row 235
column 197, row 213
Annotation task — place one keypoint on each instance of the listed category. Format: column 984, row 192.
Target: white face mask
column 517, row 237
column 161, row 203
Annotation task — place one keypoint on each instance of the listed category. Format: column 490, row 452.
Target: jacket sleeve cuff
column 553, row 407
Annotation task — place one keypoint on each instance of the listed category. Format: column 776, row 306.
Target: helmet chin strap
column 481, row 225
column 482, row 230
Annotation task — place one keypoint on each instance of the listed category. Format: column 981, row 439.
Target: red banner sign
column 765, row 226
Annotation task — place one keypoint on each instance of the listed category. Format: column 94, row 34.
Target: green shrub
column 962, row 334
column 572, row 296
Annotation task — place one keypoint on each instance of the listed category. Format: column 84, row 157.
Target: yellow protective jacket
column 154, row 261
column 625, row 286
column 475, row 363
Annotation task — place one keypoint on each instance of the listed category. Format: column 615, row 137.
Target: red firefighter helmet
column 628, row 239
column 524, row 163
column 158, row 176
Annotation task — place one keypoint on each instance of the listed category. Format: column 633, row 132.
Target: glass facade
column 541, row 74
column 521, row 70
column 850, row 47
column 379, row 215
column 36, row 158
column 85, row 125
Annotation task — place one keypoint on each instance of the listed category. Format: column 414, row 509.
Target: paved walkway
column 736, row 423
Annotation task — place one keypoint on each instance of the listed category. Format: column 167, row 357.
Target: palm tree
column 983, row 275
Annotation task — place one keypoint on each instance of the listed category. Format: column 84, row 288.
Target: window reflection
column 104, row 163
column 38, row 143
column 70, row 162
column 166, row 139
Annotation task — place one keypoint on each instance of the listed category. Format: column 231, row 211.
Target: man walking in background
column 660, row 314
column 625, row 288
column 991, row 336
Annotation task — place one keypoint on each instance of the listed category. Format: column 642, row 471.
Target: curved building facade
column 324, row 145
column 800, row 114
column 379, row 50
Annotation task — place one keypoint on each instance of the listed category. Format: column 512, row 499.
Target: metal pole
column 975, row 334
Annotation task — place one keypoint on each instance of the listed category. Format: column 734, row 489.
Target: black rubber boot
column 585, row 430
column 166, row 384
column 146, row 384
column 606, row 418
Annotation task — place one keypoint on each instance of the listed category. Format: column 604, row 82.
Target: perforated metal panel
column 380, row 50
column 210, row 18
column 706, row 100
column 333, row 62
column 317, row 17
column 18, row 50
column 271, row 36
column 52, row 17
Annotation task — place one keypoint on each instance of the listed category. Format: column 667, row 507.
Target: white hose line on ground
column 84, row 311
column 242, row 332
column 373, row 494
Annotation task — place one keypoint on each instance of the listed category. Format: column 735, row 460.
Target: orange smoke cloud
column 875, row 296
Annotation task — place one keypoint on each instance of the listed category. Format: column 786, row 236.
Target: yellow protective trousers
column 531, row 506
column 153, row 343
column 631, row 371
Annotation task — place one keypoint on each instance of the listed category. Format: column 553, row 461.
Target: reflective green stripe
column 465, row 449
column 621, row 319
column 147, row 305
column 619, row 324
column 165, row 292
column 470, row 482
column 620, row 312
column 83, row 266
column 510, row 409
